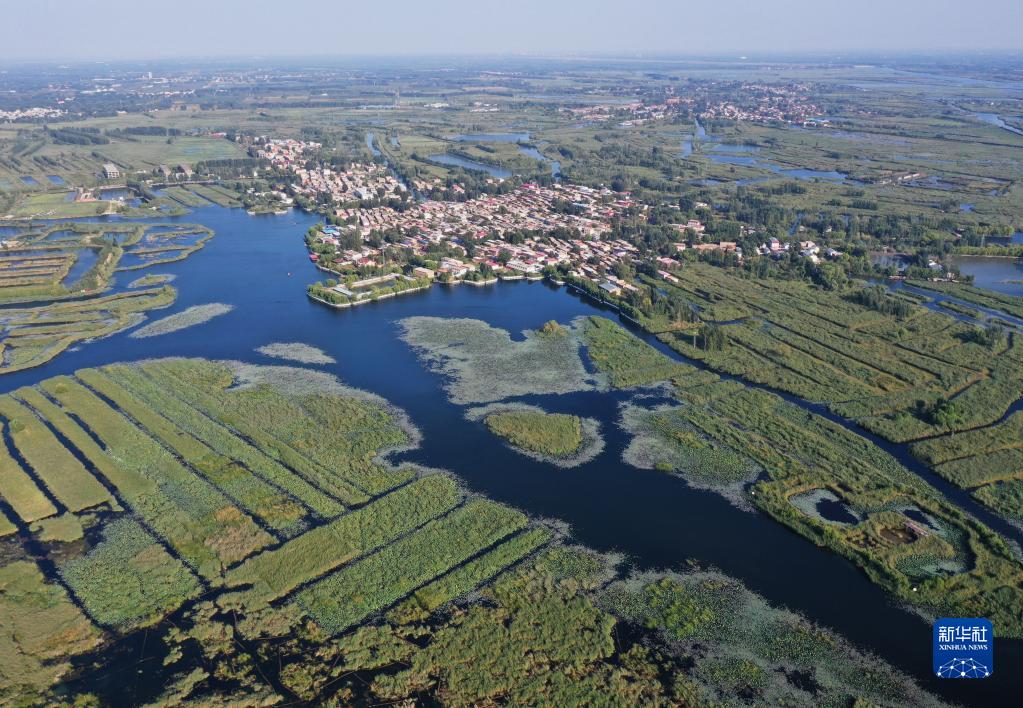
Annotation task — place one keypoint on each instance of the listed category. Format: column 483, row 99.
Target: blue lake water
column 260, row 266
column 87, row 258
column 456, row 161
column 986, row 313
column 729, row 148
column 733, row 154
column 56, row 179
column 796, row 173
column 993, row 273
column 31, row 181
column 116, row 193
column 540, row 157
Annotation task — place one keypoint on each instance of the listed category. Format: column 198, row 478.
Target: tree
column 712, row 338
column 947, row 414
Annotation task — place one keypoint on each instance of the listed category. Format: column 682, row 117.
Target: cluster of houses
column 284, row 153
column 561, row 224
column 36, row 113
column 767, row 103
column 775, row 248
column 358, row 183
column 591, row 259
column 530, row 207
column 752, row 102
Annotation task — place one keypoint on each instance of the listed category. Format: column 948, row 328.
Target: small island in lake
column 554, row 434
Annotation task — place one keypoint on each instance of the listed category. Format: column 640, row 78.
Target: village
column 561, row 231
column 750, row 102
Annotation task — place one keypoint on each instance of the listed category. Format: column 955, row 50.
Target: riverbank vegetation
column 893, row 366
column 663, row 439
column 35, row 335
column 626, row 361
column 558, row 439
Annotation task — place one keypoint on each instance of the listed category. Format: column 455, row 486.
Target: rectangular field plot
column 42, row 627
column 59, row 470
column 289, row 431
column 19, row 490
column 221, row 438
column 468, row 577
column 216, row 194
column 277, row 572
column 351, row 594
column 186, row 197
column 254, row 494
column 197, row 521
column 129, row 580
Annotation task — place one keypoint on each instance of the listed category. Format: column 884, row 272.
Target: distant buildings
column 111, row 171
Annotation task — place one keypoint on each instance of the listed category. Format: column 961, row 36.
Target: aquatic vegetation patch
column 741, row 647
column 484, row 364
column 551, row 434
column 61, row 472
column 370, row 585
column 152, row 279
column 627, row 361
column 129, row 580
column 277, row 572
column 556, row 438
column 64, row 271
column 42, row 630
column 468, row 577
column 34, row 335
column 663, row 439
column 194, row 422
column 189, row 317
column 296, row 351
column 64, row 528
column 1004, row 497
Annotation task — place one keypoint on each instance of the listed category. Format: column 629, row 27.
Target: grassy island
column 553, row 434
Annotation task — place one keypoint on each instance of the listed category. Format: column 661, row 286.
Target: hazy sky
column 128, row 29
